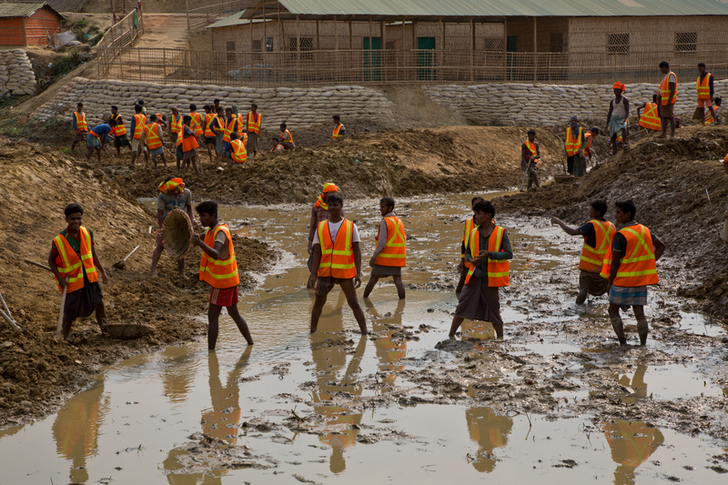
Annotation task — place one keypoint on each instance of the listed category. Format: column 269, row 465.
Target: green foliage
column 6, row 101
column 66, row 64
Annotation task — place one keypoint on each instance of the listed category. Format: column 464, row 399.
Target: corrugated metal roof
column 19, row 9
column 234, row 19
column 487, row 8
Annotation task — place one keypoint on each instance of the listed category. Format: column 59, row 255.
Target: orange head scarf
column 165, row 187
column 619, row 85
column 321, row 202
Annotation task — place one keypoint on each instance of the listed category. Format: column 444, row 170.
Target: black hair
column 79, row 104
column 207, row 207
column 337, row 117
column 474, row 199
column 387, row 200
column 137, row 108
column 275, row 140
column 665, row 64
column 654, row 98
column 72, row 209
column 284, row 125
column 701, row 64
column 253, row 105
column 595, row 130
column 187, row 119
column 153, row 118
column 216, row 100
column 486, row 207
column 234, row 135
column 114, row 107
column 193, row 107
column 627, row 206
column 531, row 131
column 140, row 102
column 335, row 197
column 111, row 122
column 228, row 109
column 717, row 100
column 600, row 205
column 207, row 107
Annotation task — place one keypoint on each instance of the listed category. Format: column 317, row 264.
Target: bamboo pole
column 472, row 50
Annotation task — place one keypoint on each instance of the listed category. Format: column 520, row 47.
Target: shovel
column 122, row 264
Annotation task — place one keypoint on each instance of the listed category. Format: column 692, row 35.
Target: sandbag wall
column 546, row 104
column 16, row 73
column 298, row 107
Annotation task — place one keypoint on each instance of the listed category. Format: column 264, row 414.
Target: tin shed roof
column 22, row 9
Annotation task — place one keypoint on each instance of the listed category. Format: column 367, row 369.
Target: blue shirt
column 102, row 131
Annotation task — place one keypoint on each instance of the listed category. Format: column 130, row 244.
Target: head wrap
column 165, row 187
column 235, row 109
column 575, row 118
column 619, row 85
column 321, row 201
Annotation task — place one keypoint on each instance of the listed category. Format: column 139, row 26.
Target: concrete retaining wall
column 543, row 104
column 296, row 106
column 16, row 73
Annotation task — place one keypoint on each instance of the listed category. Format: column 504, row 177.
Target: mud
column 556, row 400
column 38, row 374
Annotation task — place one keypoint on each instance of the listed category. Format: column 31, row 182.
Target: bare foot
column 182, row 275
column 154, row 273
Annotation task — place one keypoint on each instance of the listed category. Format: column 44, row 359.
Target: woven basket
column 127, row 331
column 177, row 233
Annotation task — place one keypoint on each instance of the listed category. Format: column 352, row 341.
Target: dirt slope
column 35, row 370
column 668, row 181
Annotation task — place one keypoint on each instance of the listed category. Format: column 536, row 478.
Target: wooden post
column 535, row 51
column 318, row 45
column 472, row 50
column 298, row 48
column 404, row 47
column 505, row 47
column 382, row 33
column 336, row 47
column 187, row 4
column 164, row 61
column 139, row 58
column 351, row 36
column 441, row 61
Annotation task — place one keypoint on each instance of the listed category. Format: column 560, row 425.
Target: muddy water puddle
column 554, row 401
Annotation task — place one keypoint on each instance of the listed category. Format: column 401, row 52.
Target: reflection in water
column 490, row 431
column 178, row 376
column 76, row 428
column 329, row 357
column 220, row 422
column 477, row 329
column 638, row 384
column 388, row 352
column 632, row 443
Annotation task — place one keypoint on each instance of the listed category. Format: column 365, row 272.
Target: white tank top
column 618, row 109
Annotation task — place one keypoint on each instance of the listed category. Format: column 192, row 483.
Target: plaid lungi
column 628, row 295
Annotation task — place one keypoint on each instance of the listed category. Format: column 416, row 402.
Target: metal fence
column 121, row 35
column 262, row 69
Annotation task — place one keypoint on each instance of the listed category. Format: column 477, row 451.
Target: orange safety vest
column 70, row 265
column 395, row 249
column 588, row 142
column 338, row 128
column 469, row 226
column 638, row 267
column 254, row 122
column 290, row 138
column 140, row 121
column 239, row 153
column 337, row 257
column 497, row 269
column 704, row 87
column 532, row 148
column 196, row 124
column 592, row 258
column 219, row 273
column 151, row 131
column 240, row 126
column 119, row 129
column 81, row 124
column 709, row 117
column 175, row 125
column 189, row 143
column 649, row 118
column 572, row 145
column 229, row 128
column 208, row 120
column 665, row 89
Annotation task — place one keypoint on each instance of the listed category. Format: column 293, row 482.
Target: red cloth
column 224, row 297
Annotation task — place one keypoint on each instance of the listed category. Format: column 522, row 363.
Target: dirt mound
column 680, row 191
column 400, row 163
column 37, row 371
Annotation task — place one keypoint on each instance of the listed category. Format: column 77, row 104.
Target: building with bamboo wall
column 572, row 41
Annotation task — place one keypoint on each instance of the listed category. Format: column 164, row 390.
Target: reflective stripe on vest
column 497, row 269
column 254, row 122
column 216, row 272
column 709, row 117
column 650, row 118
column 239, row 153
column 81, row 124
column 151, row 131
column 196, row 124
column 70, row 265
column 337, row 130
column 119, row 129
column 229, row 128
column 638, row 267
column 395, row 249
column 469, row 226
column 176, row 125
column 140, row 121
column 592, row 258
column 337, row 257
column 531, row 147
column 572, row 145
column 290, row 138
column 704, row 87
column 240, row 125
column 665, row 90
column 208, row 120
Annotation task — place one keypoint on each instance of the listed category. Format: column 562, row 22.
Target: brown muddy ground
column 680, row 189
column 38, row 372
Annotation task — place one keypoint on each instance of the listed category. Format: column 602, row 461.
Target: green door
column 372, row 59
column 511, row 46
column 425, row 60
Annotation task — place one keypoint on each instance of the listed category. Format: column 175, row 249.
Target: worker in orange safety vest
column 390, row 255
